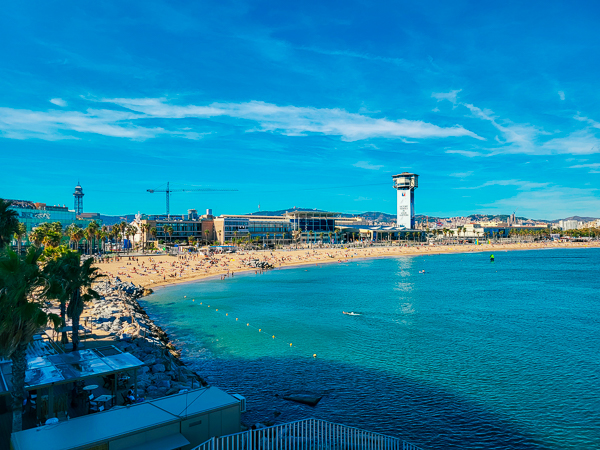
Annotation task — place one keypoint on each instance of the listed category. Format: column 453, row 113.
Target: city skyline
column 308, row 105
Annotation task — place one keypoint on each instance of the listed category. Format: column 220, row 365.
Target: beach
column 149, row 271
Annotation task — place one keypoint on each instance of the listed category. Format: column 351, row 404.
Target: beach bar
column 181, row 421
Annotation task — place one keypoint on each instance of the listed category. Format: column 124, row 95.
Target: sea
column 444, row 351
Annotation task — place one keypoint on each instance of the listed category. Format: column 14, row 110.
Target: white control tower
column 405, row 184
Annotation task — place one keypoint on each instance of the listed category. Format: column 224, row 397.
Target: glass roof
column 69, row 367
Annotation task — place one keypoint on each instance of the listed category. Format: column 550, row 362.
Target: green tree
column 169, row 230
column 71, row 281
column 8, row 223
column 22, row 289
column 91, row 231
column 20, row 233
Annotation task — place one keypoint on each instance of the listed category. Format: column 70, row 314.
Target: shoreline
column 120, row 312
column 223, row 265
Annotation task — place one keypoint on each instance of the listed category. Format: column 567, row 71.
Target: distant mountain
column 281, row 212
column 373, row 216
column 578, row 218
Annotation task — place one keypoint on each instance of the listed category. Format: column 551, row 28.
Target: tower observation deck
column 78, row 194
column 406, row 183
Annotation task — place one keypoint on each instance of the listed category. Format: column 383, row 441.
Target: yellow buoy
column 290, row 344
column 273, row 336
column 217, row 309
column 236, row 319
column 259, row 330
column 226, row 314
column 247, row 324
column 314, row 355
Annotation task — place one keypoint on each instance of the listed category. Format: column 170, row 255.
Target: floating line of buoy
column 273, row 337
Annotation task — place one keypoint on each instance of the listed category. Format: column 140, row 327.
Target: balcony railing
column 308, row 434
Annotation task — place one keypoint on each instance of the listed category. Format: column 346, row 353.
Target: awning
column 166, row 443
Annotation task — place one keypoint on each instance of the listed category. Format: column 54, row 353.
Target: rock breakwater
column 119, row 314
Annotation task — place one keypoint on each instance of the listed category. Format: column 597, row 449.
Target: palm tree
column 206, row 233
column 297, row 235
column 153, row 232
column 52, row 238
column 268, row 239
column 321, row 234
column 90, row 234
column 78, row 235
column 130, row 232
column 311, row 233
column 20, row 233
column 21, row 302
column 70, row 232
column 8, row 223
column 330, row 234
column 36, row 236
column 71, row 281
column 169, row 230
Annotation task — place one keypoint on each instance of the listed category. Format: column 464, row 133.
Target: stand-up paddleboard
column 351, row 313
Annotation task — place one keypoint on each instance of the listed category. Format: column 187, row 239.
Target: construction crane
column 168, row 192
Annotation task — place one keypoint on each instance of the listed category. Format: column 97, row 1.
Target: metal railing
column 308, row 434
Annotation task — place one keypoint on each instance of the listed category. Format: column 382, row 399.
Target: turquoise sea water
column 470, row 354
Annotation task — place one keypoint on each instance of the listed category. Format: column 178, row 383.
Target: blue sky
column 311, row 104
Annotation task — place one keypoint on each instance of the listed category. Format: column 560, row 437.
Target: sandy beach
column 150, row 271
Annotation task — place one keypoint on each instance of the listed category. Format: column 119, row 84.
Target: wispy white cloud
column 587, row 120
column 286, row 120
column 514, row 138
column 55, row 125
column 555, row 202
column 561, row 95
column 519, row 184
column 58, row 102
column 467, row 153
column 351, row 54
column 586, row 166
column 580, row 142
column 462, row 174
column 450, row 96
column 298, row 121
column 367, row 165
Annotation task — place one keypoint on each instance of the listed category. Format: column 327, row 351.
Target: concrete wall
column 142, row 438
column 218, row 423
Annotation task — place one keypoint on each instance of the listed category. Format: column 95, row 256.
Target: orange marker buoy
column 247, row 324
column 217, row 309
column 226, row 314
column 236, row 319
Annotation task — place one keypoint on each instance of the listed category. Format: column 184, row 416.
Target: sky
column 313, row 104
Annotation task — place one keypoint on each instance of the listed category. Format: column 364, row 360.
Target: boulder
column 310, row 400
column 164, row 384
column 157, row 368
